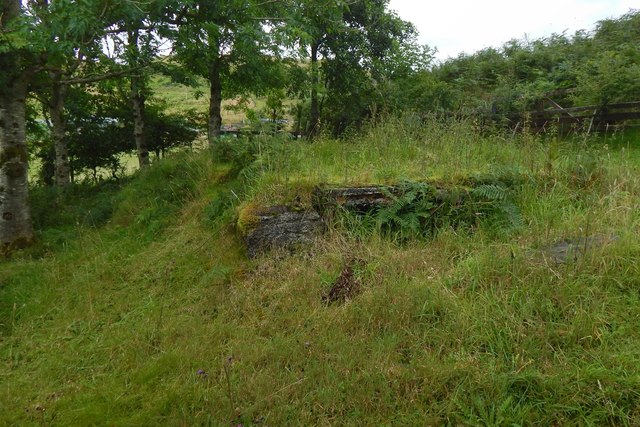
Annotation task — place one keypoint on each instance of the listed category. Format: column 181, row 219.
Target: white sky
column 456, row 26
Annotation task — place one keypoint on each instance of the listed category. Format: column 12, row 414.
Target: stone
column 290, row 227
column 570, row 250
column 281, row 227
column 355, row 199
column 364, row 200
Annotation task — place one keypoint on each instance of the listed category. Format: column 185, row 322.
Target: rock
column 355, row 199
column 281, row 227
column 365, row 200
column 571, row 250
column 434, row 204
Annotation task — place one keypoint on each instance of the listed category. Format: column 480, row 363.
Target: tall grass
column 153, row 316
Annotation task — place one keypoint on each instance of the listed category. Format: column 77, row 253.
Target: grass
column 180, row 98
column 153, row 315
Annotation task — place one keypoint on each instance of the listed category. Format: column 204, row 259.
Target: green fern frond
column 490, row 192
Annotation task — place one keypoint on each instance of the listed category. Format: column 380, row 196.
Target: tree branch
column 101, row 77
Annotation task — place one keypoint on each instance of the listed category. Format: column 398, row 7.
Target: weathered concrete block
column 281, row 227
column 354, row 199
column 290, row 227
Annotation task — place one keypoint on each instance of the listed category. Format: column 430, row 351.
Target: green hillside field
column 138, row 306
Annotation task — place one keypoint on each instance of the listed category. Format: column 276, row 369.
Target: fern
column 419, row 210
column 490, row 192
column 497, row 209
column 409, row 211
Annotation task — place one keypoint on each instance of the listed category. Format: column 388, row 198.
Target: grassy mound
column 139, row 307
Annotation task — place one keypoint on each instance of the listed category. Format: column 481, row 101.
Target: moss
column 247, row 217
column 13, row 152
column 13, row 160
column 15, row 169
column 295, row 195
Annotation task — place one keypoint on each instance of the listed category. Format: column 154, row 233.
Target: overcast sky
column 455, row 26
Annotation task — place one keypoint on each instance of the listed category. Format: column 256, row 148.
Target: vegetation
column 127, row 297
column 137, row 304
column 587, row 68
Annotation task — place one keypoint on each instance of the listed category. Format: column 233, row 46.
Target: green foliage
column 153, row 199
column 609, row 73
column 232, row 34
column 494, row 205
column 421, row 210
column 350, row 50
column 409, row 211
column 100, row 131
column 166, row 131
column 240, row 152
column 584, row 69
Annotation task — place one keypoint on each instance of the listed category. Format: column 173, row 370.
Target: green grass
column 180, row 99
column 152, row 315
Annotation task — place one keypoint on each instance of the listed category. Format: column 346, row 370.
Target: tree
column 16, row 229
column 103, row 122
column 587, row 68
column 344, row 43
column 69, row 35
column 34, row 39
column 138, row 88
column 228, row 43
column 611, row 72
column 138, row 41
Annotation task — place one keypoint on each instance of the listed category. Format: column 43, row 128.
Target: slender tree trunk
column 16, row 230
column 314, row 113
column 58, row 131
column 299, row 121
column 215, row 102
column 138, row 103
column 139, row 134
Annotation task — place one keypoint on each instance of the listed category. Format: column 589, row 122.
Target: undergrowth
column 142, row 309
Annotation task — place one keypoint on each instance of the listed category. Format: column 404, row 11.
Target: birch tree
column 16, row 62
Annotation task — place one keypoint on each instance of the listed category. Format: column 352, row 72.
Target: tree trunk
column 16, row 230
column 138, row 103
column 56, row 111
column 314, row 113
column 299, row 121
column 215, row 102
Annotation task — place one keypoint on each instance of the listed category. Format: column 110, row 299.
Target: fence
column 591, row 118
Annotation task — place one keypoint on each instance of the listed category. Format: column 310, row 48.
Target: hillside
column 138, row 305
column 180, row 99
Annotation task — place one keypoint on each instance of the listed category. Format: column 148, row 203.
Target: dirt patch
column 348, row 285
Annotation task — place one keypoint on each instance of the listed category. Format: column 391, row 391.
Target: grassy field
column 180, row 98
column 138, row 306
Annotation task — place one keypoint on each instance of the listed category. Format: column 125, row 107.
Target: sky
column 456, row 26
